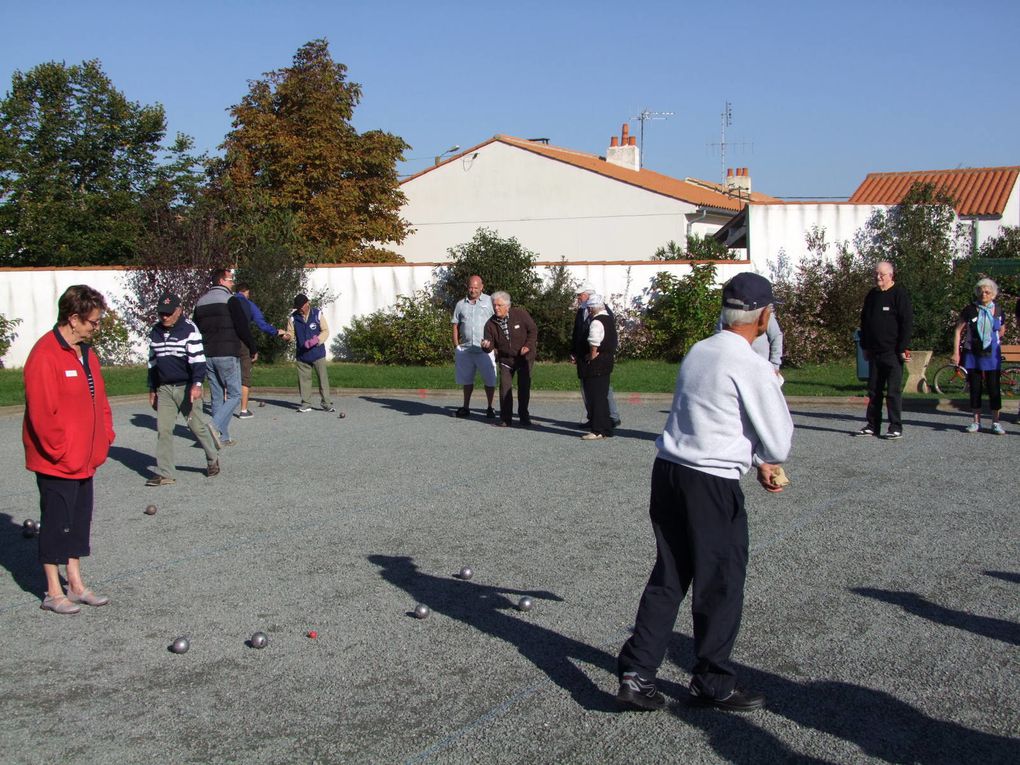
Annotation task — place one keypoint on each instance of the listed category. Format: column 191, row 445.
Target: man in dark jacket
column 224, row 326
column 887, row 322
column 176, row 373
column 308, row 327
column 596, row 365
column 512, row 333
column 579, row 349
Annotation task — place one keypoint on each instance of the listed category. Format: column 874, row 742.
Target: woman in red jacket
column 67, row 434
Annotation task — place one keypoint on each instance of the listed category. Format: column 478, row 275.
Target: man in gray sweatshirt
column 728, row 413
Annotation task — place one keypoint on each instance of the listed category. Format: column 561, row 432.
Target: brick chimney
column 624, row 152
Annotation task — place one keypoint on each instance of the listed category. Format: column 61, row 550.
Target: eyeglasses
column 94, row 322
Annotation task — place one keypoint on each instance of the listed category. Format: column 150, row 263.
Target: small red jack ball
column 313, row 634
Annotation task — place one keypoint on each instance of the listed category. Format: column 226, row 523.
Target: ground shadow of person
column 20, row 556
column 490, row 610
column 880, row 724
column 414, row 408
column 911, row 602
column 1006, row 576
column 132, row 459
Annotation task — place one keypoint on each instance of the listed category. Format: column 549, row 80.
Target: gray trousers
column 172, row 400
column 304, row 382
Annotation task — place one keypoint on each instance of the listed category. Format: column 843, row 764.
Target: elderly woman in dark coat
column 514, row 336
column 596, row 365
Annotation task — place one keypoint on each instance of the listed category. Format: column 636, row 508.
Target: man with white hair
column 596, row 365
column 728, row 413
column 579, row 349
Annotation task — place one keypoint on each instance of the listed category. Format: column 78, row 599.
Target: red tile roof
column 976, row 191
column 694, row 193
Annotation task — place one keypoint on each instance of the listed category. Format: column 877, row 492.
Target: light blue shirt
column 471, row 318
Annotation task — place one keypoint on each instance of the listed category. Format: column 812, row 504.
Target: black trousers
column 700, row 531
column 66, row 515
column 596, row 395
column 506, row 390
column 988, row 381
column 885, row 373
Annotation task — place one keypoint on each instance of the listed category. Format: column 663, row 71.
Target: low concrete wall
column 32, row 294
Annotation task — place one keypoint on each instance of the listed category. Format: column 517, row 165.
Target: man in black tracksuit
column 887, row 322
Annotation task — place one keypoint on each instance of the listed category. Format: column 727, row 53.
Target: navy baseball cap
column 168, row 303
column 748, row 292
column 299, row 300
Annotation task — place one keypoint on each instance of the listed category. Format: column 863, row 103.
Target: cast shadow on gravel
column 134, row 460
column 911, row 602
column 1006, row 576
column 490, row 610
column 20, row 556
column 878, row 723
column 858, row 420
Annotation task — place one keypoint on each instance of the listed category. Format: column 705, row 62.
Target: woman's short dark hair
column 79, row 299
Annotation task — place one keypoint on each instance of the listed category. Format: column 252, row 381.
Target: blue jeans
column 224, row 373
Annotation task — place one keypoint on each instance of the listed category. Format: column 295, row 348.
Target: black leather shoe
column 462, row 412
column 738, row 700
column 525, row 422
column 490, row 413
column 640, row 694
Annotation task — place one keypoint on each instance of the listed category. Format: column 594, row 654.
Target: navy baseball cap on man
column 748, row 292
column 299, row 301
column 167, row 304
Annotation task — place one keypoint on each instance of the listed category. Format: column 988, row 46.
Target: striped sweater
column 176, row 355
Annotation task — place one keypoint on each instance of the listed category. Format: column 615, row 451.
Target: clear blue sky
column 824, row 91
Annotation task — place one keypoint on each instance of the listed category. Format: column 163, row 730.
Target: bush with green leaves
column 698, row 248
column 112, row 342
column 8, row 334
column 681, row 310
column 414, row 331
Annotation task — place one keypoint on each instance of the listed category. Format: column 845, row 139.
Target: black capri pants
column 988, row 381
column 66, row 505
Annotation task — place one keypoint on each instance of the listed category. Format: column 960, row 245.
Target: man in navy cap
column 728, row 413
column 176, row 372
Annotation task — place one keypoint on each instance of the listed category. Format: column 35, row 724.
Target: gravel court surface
column 881, row 614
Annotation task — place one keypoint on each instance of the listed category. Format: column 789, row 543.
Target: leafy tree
column 922, row 239
column 293, row 145
column 698, row 248
column 8, row 334
column 553, row 311
column 503, row 264
column 681, row 311
column 76, row 158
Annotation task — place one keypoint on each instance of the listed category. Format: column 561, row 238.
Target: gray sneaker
column 59, row 605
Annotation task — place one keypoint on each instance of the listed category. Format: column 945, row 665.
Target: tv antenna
column 649, row 115
column 725, row 121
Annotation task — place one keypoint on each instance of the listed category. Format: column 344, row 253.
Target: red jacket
column 67, row 432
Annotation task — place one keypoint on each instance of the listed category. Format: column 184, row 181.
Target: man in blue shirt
column 469, row 318
column 249, row 357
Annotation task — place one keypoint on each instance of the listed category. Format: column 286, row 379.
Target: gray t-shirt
column 472, row 317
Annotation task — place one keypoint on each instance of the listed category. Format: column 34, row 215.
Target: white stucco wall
column 554, row 209
column 359, row 290
column 775, row 227
column 991, row 227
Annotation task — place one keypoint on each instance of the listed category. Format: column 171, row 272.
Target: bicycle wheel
column 1009, row 382
column 950, row 380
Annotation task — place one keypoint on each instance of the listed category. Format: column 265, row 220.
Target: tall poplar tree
column 292, row 143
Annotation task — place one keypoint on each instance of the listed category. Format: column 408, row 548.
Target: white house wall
column 773, row 228
column 358, row 290
column 554, row 209
column 992, row 227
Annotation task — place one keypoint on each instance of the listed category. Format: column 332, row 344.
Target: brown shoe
column 160, row 480
column 88, row 598
column 213, row 469
column 59, row 605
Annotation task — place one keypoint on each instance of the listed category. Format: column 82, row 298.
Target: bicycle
column 951, row 380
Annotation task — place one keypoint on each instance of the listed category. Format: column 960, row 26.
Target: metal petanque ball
column 525, row 604
column 259, row 640
column 180, row 645
column 150, row 510
column 421, row 611
column 342, row 415
column 261, row 404
column 466, row 572
column 29, row 528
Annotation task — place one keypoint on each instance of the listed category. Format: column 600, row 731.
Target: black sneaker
column 490, row 413
column 892, row 435
column 637, row 693
column 525, row 422
column 865, row 431
column 244, row 414
column 464, row 412
column 329, row 409
column 737, row 701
